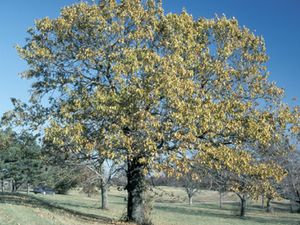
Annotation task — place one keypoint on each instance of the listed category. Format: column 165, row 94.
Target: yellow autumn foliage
column 166, row 91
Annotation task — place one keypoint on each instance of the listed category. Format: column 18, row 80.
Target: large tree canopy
column 160, row 92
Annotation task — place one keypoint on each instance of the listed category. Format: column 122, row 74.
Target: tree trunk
column 190, row 199
column 104, row 196
column 269, row 207
column 13, row 186
column 243, row 199
column 220, row 200
column 291, row 206
column 136, row 189
column 262, row 201
column 2, row 185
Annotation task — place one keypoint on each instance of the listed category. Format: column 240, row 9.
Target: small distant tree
column 99, row 174
column 60, row 178
column 91, row 168
column 193, row 181
column 220, row 182
column 88, row 182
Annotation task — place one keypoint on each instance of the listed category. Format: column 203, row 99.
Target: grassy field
column 169, row 209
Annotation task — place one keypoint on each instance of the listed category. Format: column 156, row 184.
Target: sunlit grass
column 76, row 208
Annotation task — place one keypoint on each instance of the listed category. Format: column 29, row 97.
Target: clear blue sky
column 278, row 21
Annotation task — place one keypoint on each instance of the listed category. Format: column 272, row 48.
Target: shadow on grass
column 276, row 207
column 205, row 211
column 36, row 202
column 77, row 205
column 113, row 199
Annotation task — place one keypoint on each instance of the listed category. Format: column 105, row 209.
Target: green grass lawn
column 76, row 208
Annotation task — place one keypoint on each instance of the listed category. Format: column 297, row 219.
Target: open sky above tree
column 276, row 21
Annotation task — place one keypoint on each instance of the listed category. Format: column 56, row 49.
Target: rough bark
column 262, row 201
column 104, row 196
column 136, row 190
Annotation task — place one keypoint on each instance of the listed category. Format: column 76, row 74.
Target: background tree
column 89, row 182
column 61, row 178
column 100, row 174
column 20, row 158
column 6, row 138
column 290, row 187
column 91, row 169
column 158, row 92
column 219, row 181
column 193, row 181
